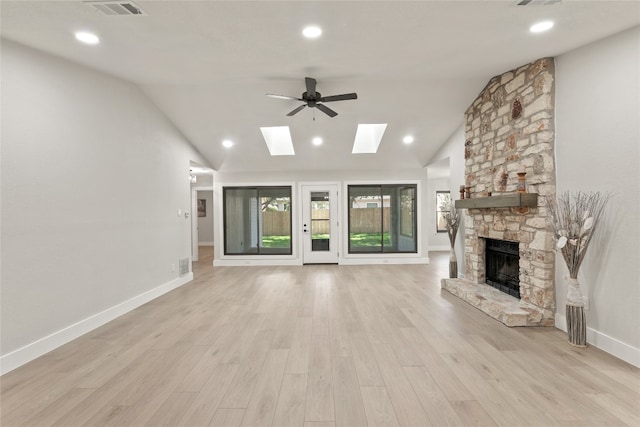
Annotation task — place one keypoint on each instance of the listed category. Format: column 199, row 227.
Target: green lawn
column 284, row 241
column 358, row 240
column 276, row 241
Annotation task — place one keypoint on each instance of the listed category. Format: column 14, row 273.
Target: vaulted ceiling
column 415, row 65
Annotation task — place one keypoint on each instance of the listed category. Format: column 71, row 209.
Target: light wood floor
column 319, row 346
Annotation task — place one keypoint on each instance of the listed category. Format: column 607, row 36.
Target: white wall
column 597, row 148
column 453, row 149
column 92, row 178
column 205, row 223
column 294, row 178
column 437, row 241
column 203, row 180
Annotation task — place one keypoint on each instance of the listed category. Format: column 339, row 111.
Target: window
column 382, row 218
column 257, row 220
column 443, row 207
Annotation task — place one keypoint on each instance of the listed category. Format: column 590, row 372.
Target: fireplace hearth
column 502, row 266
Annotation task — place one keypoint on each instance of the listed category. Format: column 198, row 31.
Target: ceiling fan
column 312, row 98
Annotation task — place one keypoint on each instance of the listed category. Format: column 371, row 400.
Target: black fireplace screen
column 502, row 267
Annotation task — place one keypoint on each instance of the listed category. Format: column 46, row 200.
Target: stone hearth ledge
column 502, row 307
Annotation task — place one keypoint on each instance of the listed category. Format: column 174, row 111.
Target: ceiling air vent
column 115, row 8
column 537, row 2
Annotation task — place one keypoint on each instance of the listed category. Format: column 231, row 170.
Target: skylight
column 368, row 137
column 278, row 140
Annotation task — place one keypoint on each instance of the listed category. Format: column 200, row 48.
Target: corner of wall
column 32, row 351
column 605, row 343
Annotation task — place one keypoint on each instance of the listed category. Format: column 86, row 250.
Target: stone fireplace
column 510, row 128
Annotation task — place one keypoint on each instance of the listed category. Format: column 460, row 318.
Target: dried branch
column 452, row 222
column 573, row 217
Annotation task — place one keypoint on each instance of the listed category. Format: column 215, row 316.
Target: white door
column 320, row 224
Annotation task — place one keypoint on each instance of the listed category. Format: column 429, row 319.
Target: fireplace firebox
column 502, row 266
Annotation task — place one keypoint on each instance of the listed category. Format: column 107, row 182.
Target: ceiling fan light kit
column 314, row 99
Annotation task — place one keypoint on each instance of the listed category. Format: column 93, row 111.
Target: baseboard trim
column 255, row 262
column 341, row 261
column 29, row 352
column 606, row 343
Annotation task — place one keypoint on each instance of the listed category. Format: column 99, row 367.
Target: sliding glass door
column 257, row 220
column 382, row 218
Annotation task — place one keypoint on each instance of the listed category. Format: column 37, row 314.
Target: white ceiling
column 415, row 65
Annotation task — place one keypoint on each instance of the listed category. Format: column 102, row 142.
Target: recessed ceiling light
column 312, row 32
column 227, row 143
column 317, row 141
column 87, row 38
column 541, row 26
column 407, row 139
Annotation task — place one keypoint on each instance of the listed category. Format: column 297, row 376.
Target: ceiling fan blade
column 271, row 95
column 343, row 97
column 328, row 111
column 311, row 86
column 297, row 110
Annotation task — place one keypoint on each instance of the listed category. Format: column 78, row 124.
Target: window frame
column 258, row 189
column 384, row 249
column 438, row 211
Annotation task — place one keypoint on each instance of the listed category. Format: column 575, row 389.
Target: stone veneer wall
column 510, row 125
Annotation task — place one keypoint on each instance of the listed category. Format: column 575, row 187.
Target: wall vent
column 184, row 266
column 537, row 2
column 117, row 8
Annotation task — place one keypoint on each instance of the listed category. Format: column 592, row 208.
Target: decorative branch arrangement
column 573, row 217
column 452, row 221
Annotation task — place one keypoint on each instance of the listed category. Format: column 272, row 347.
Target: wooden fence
column 362, row 220
column 276, row 223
